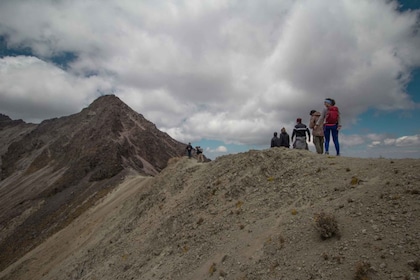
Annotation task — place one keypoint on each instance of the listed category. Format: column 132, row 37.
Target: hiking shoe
column 327, row 153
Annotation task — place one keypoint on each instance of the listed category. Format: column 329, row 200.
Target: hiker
column 275, row 141
column 318, row 132
column 189, row 149
column 199, row 152
column 284, row 138
column 299, row 133
column 332, row 124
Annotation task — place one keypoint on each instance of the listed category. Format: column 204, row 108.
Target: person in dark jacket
column 199, row 152
column 189, row 149
column 275, row 141
column 284, row 138
column 299, row 134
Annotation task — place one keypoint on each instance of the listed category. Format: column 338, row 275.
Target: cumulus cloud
column 411, row 141
column 228, row 70
column 34, row 90
column 399, row 143
column 220, row 149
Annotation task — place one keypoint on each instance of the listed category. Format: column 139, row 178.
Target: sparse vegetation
column 212, row 269
column 181, row 225
column 363, row 271
column 327, row 225
column 239, row 204
column 185, row 249
column 355, row 181
column 416, row 265
column 413, row 191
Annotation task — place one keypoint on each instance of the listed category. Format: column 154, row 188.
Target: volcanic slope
column 254, row 215
column 54, row 171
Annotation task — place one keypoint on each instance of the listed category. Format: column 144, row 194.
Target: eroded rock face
column 65, row 164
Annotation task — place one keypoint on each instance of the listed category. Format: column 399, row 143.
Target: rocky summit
column 54, row 171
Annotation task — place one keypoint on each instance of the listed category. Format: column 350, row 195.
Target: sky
column 221, row 74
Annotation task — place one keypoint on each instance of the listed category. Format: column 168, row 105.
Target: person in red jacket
column 332, row 124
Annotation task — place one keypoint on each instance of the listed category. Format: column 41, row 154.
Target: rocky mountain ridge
column 52, row 172
column 255, row 215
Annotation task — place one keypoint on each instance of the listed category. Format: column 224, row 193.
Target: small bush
column 363, row 270
column 212, row 269
column 326, row 224
column 416, row 265
column 355, row 181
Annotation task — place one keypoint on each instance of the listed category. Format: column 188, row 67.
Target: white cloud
column 389, row 142
column 410, row 141
column 221, row 149
column 232, row 71
column 34, row 90
column 352, row 140
column 403, row 141
column 375, row 140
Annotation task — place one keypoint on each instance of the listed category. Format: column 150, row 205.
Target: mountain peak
column 69, row 162
column 106, row 100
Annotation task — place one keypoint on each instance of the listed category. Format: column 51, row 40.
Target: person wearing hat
column 317, row 131
column 299, row 133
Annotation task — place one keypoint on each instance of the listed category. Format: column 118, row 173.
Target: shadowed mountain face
column 54, row 171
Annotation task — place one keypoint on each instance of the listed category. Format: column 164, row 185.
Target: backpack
column 332, row 115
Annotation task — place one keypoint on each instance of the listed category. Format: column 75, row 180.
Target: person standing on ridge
column 284, row 138
column 199, row 152
column 275, row 141
column 318, row 132
column 332, row 124
column 189, row 149
column 299, row 133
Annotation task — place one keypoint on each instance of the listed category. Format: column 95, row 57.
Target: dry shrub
column 355, row 181
column 327, row 225
column 239, row 204
column 212, row 269
column 363, row 270
column 415, row 264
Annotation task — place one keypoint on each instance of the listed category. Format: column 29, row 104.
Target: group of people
column 324, row 125
column 198, row 150
column 283, row 140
